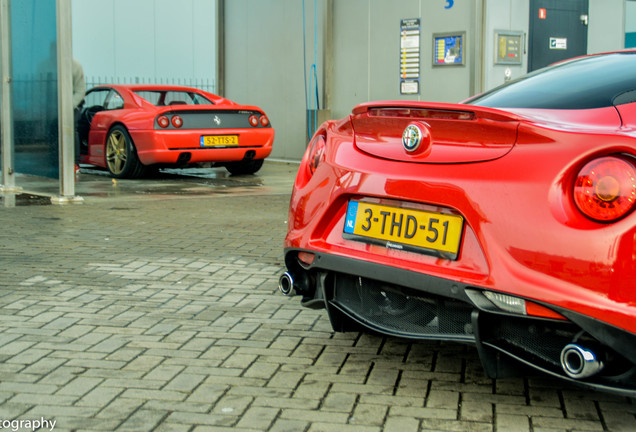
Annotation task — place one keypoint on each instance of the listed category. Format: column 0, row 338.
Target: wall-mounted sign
column 509, row 45
column 448, row 48
column 557, row 43
column 410, row 56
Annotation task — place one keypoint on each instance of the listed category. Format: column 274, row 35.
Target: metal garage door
column 558, row 30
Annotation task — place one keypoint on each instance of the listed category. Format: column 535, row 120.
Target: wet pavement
column 96, row 184
column 153, row 305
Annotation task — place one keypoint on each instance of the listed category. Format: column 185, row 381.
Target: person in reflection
column 79, row 91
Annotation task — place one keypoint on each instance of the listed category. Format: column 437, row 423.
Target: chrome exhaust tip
column 578, row 362
column 286, row 284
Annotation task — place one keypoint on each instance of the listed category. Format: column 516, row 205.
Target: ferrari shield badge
column 411, row 138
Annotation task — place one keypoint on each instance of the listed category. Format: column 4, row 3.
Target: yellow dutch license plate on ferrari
column 219, row 140
column 404, row 228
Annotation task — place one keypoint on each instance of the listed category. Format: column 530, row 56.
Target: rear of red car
column 128, row 128
column 192, row 134
column 512, row 230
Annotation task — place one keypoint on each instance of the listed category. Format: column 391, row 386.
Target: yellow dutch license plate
column 219, row 140
column 404, row 228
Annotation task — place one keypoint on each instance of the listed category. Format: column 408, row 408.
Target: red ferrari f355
column 131, row 128
column 506, row 221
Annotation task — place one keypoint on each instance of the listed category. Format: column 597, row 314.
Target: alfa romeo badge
column 411, row 138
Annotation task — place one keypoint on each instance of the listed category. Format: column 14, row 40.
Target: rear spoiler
column 433, row 109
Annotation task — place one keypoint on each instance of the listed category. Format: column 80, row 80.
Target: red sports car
column 129, row 128
column 505, row 221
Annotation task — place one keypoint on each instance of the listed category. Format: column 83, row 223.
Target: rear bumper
column 169, row 147
column 152, row 157
column 420, row 306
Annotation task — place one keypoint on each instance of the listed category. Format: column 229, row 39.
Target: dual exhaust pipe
column 579, row 362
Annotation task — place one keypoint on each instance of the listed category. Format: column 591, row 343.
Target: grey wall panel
column 504, row 15
column 384, row 38
column 446, row 83
column 351, row 55
column 606, row 31
column 264, row 65
column 630, row 16
column 366, row 52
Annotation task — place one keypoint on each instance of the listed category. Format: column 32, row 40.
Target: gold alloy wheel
column 116, row 152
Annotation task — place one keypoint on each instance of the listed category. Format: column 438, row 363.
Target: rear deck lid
column 433, row 132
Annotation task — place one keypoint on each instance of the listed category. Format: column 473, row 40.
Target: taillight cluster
column 316, row 152
column 605, row 188
column 255, row 120
column 176, row 121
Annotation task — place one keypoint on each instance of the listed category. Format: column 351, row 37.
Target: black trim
column 385, row 330
column 407, row 278
column 214, row 147
column 400, row 246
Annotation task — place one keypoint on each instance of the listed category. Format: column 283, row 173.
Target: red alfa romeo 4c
column 506, row 221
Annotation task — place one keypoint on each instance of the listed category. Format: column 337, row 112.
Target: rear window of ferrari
column 585, row 83
column 170, row 97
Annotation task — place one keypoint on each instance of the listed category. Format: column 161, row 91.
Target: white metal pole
column 8, row 170
column 66, row 123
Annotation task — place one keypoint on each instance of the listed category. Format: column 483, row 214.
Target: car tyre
column 244, row 167
column 121, row 155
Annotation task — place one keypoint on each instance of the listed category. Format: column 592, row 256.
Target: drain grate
column 26, row 199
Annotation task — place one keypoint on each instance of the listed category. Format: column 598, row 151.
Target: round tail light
column 177, row 121
column 253, row 120
column 264, row 120
column 605, row 188
column 163, row 121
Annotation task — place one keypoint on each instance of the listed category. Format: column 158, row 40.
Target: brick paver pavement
column 163, row 314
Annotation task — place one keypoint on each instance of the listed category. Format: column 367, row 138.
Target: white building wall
column 146, row 40
column 165, row 41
